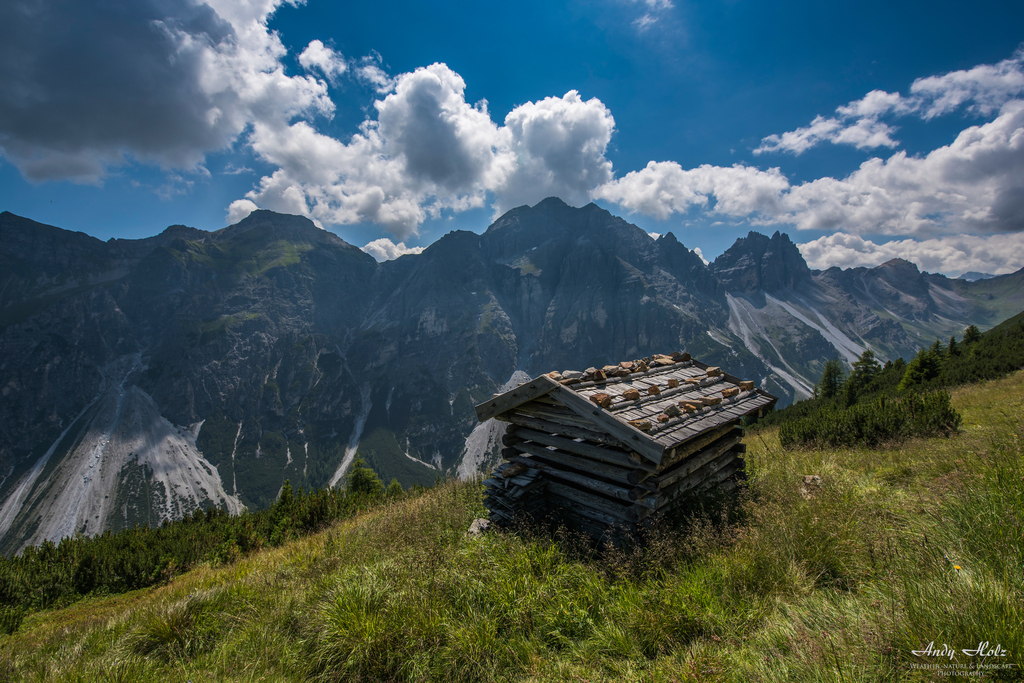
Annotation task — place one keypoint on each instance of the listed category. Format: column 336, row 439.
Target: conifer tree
column 363, row 480
column 865, row 369
column 926, row 366
column 952, row 349
column 831, row 379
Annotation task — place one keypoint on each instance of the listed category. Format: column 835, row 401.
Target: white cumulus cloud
column 559, row 146
column 975, row 184
column 444, row 143
column 375, row 76
column 384, row 249
column 953, row 255
column 664, row 188
column 428, row 150
column 318, row 56
column 983, row 90
column 240, row 209
column 159, row 81
column 863, row 133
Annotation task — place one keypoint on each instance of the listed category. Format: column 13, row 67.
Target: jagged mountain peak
column 454, row 248
column 551, row 208
column 903, row 277
column 555, row 211
column 266, row 216
column 757, row 262
column 551, row 203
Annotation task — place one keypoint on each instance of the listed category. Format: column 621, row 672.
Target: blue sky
column 865, row 131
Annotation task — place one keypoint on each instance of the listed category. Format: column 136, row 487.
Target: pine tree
column 926, row 366
column 865, row 369
column 363, row 480
column 831, row 379
column 286, row 499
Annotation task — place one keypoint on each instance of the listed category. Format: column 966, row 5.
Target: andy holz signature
column 983, row 650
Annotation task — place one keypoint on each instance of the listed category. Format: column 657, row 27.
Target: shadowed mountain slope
column 196, row 368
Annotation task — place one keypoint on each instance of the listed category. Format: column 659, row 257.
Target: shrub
column 10, row 619
column 884, row 419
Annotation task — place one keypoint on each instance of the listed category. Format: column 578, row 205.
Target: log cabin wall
column 606, row 451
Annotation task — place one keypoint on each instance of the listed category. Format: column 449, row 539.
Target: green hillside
column 896, row 548
column 1009, row 324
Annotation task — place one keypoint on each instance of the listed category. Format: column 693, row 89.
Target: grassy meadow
column 898, row 547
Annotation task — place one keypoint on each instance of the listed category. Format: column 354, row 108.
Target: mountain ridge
column 284, row 350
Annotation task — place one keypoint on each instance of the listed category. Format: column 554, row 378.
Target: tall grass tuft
column 182, row 629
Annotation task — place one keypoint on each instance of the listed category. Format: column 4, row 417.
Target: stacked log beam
column 594, row 483
column 514, row 493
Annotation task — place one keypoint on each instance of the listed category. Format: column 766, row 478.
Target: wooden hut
column 609, row 450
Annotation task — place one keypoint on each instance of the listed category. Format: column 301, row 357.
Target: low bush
column 882, row 420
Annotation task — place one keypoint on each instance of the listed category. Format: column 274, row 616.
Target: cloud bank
column 175, row 80
column 172, row 81
column 974, row 184
column 996, row 254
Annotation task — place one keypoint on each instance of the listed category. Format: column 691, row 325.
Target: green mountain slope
column 842, row 579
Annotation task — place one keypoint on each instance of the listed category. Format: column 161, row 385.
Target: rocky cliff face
column 144, row 378
column 756, row 263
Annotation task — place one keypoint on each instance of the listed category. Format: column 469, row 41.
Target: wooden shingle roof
column 686, row 400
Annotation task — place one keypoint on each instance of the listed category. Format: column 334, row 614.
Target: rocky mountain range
column 140, row 379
